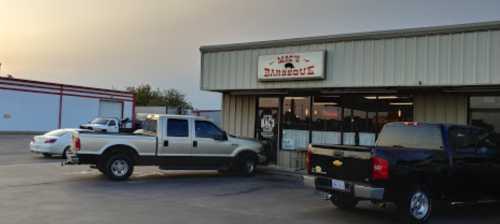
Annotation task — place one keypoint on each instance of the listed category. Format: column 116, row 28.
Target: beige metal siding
column 469, row 58
column 451, row 108
column 239, row 115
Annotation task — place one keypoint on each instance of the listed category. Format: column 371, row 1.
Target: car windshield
column 56, row 133
column 418, row 136
column 101, row 121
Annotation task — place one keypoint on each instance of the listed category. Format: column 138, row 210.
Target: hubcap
column 119, row 167
column 250, row 166
column 419, row 205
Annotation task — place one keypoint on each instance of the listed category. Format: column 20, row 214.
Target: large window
column 326, row 120
column 296, row 117
column 485, row 112
column 340, row 119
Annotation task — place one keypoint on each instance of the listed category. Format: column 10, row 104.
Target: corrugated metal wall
column 451, row 108
column 238, row 113
column 453, row 59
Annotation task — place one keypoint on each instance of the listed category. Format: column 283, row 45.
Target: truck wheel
column 246, row 165
column 416, row 207
column 119, row 167
column 343, row 201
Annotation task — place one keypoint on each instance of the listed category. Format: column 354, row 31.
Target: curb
column 285, row 174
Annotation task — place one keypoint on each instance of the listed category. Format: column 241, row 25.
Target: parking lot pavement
column 44, row 192
column 14, row 149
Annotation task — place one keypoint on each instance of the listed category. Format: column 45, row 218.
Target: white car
column 103, row 124
column 55, row 142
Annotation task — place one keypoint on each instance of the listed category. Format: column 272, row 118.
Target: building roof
column 373, row 35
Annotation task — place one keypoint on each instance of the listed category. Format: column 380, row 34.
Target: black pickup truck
column 411, row 164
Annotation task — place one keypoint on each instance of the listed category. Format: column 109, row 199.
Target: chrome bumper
column 368, row 192
column 362, row 191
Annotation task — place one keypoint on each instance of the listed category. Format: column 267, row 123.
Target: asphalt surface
column 37, row 190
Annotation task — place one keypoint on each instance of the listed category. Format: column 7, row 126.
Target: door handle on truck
column 195, row 144
column 165, row 143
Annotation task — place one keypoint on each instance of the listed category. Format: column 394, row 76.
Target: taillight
column 308, row 159
column 50, row 141
column 380, row 169
column 77, row 144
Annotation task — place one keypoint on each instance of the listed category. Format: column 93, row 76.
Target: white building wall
column 78, row 110
column 26, row 111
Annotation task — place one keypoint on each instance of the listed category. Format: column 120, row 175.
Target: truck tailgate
column 342, row 162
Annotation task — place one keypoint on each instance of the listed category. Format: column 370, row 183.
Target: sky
column 120, row 43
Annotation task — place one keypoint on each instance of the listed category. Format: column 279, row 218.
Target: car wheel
column 247, row 165
column 46, row 155
column 119, row 167
column 416, row 206
column 343, row 201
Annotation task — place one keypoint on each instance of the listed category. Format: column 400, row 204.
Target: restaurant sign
column 292, row 66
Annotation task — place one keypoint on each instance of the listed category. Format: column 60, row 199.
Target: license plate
column 338, row 185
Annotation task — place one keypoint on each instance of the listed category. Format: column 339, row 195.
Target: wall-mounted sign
column 292, row 66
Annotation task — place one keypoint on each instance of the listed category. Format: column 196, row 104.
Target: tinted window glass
column 206, row 129
column 461, row 137
column 411, row 136
column 177, row 128
column 112, row 123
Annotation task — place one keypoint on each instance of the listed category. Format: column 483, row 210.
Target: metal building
column 33, row 106
column 342, row 89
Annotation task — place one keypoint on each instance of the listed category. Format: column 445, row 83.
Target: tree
column 147, row 96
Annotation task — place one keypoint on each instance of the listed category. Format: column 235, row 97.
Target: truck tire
column 343, row 201
column 119, row 167
column 246, row 165
column 416, row 206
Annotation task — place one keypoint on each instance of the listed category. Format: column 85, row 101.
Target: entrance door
column 267, row 126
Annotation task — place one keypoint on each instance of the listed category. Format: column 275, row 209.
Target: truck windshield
column 411, row 136
column 100, row 121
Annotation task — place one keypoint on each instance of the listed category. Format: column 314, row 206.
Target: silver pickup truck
column 172, row 142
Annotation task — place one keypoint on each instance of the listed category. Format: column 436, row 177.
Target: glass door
column 267, row 126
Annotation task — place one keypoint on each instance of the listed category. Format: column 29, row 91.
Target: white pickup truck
column 172, row 142
column 103, row 124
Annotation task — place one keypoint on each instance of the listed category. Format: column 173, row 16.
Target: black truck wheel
column 246, row 164
column 416, row 206
column 119, row 167
column 343, row 201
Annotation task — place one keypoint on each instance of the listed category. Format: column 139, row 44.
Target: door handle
column 195, row 144
column 165, row 143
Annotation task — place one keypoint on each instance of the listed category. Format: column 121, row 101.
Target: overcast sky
column 119, row 43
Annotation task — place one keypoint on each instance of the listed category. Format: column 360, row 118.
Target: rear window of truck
column 419, row 136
